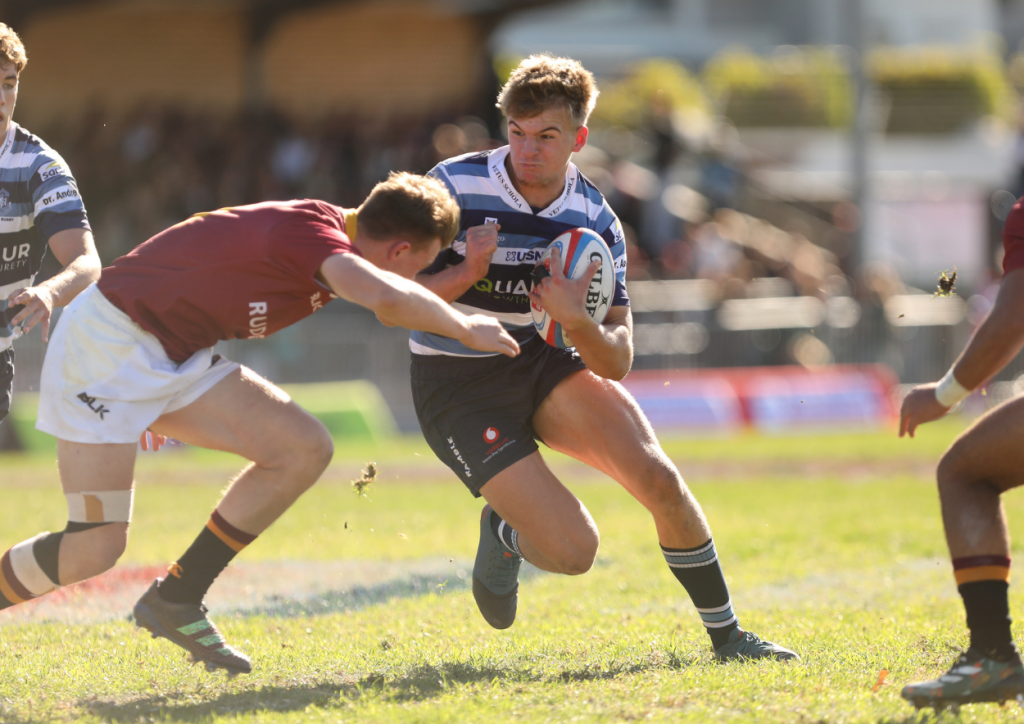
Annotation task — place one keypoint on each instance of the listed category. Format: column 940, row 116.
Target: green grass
column 847, row 568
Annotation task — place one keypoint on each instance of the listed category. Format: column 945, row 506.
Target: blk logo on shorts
column 90, row 402
column 491, row 434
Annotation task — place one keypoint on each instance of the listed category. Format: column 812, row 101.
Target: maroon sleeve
column 1013, row 239
column 303, row 242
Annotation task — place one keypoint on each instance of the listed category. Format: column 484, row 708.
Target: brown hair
column 542, row 81
column 11, row 49
column 415, row 208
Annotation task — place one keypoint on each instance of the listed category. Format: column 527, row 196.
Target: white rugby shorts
column 105, row 379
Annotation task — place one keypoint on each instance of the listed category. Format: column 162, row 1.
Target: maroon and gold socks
column 984, row 582
column 190, row 577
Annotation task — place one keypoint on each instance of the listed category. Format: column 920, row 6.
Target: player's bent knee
column 314, row 450
column 91, row 552
column 96, row 535
column 305, row 451
column 579, row 553
column 953, row 471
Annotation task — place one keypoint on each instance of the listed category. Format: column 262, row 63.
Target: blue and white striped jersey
column 38, row 198
column 481, row 186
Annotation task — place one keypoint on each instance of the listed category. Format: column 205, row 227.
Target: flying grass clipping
column 947, row 284
column 369, row 475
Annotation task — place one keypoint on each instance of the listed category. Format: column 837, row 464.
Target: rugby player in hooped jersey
column 40, row 208
column 482, row 413
column 134, row 353
column 984, row 462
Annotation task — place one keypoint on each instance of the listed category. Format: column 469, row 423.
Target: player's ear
column 581, row 139
column 398, row 249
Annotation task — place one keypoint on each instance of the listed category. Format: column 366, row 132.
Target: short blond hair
column 542, row 81
column 11, row 48
column 415, row 208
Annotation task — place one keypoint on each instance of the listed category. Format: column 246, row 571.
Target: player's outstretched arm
column 607, row 348
column 408, row 304
column 991, row 347
column 76, row 251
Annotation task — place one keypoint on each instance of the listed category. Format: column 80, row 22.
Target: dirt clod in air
column 369, row 475
column 947, row 284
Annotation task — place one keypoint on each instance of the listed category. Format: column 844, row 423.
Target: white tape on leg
column 26, row 568
column 106, row 506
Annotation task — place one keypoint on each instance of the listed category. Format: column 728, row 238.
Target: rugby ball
column 578, row 248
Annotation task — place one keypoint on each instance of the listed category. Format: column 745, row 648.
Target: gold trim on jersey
column 351, row 218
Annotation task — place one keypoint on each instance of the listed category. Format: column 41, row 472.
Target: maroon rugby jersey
column 236, row 273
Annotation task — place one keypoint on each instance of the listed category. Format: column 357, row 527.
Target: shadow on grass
column 352, row 599
column 419, row 684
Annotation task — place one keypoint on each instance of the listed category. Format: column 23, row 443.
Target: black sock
column 701, row 575
column 988, row 617
column 191, row 576
column 505, row 533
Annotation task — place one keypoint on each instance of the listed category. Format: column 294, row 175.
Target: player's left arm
column 76, row 251
column 607, row 348
column 991, row 347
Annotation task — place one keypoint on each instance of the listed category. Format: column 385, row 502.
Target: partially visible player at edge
column 982, row 463
column 134, row 353
column 481, row 414
column 40, row 207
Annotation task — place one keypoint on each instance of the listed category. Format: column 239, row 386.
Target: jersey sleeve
column 448, row 256
column 610, row 229
column 57, row 203
column 300, row 245
column 1013, row 239
column 440, row 172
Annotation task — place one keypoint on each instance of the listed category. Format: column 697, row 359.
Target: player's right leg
column 984, row 461
column 529, row 514
column 289, row 449
column 475, row 414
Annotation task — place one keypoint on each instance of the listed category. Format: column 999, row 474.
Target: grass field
column 832, row 545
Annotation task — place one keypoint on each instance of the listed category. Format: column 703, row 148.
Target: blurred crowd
column 679, row 202
column 158, row 166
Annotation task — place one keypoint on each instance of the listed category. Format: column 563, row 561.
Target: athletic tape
column 27, row 570
column 106, row 506
column 949, row 391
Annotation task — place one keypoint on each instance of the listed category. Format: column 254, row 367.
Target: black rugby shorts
column 477, row 412
column 6, row 381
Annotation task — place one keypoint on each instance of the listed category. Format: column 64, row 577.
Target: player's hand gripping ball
column 578, row 248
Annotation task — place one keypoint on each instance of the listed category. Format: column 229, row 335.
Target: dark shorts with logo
column 6, row 381
column 477, row 412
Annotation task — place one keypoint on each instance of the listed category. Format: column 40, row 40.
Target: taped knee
column 30, row 569
column 91, row 510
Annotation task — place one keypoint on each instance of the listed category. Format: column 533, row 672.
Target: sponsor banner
column 674, row 402
column 767, row 398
